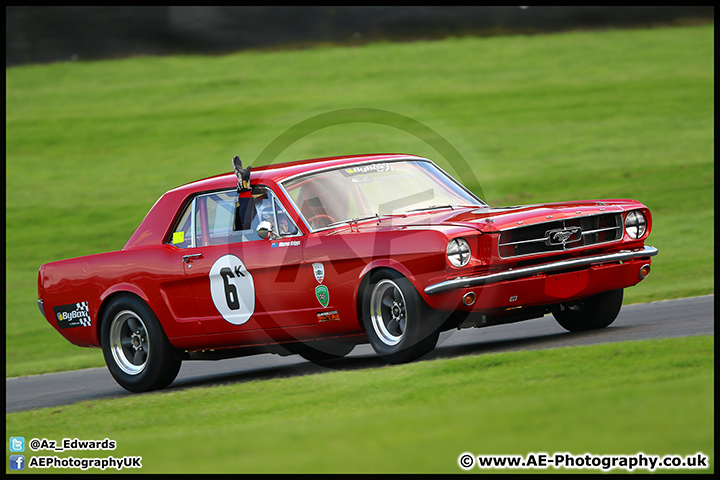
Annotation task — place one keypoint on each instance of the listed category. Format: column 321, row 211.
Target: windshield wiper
column 352, row 220
column 431, row 207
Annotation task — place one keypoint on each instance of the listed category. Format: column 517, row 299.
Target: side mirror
column 264, row 229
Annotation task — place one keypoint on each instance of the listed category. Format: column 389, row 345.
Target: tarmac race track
column 667, row 318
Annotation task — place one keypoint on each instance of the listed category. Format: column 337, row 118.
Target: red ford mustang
column 315, row 257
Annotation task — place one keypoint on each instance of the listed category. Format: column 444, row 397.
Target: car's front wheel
column 137, row 352
column 398, row 323
column 590, row 313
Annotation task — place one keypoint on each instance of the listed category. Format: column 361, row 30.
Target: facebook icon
column 17, row 462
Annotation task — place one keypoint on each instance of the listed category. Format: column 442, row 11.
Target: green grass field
column 652, row 396
column 568, row 116
column 614, row 114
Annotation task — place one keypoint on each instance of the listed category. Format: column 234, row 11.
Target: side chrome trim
column 464, row 282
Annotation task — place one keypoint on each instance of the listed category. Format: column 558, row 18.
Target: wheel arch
column 368, row 271
column 161, row 363
column 109, row 297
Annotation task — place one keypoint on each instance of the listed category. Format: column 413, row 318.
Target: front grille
column 560, row 235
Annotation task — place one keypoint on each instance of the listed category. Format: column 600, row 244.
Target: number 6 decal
column 232, row 289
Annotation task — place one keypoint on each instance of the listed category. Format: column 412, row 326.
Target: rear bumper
column 519, row 273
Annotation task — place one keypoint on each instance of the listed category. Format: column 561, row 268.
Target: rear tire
column 590, row 313
column 398, row 323
column 136, row 350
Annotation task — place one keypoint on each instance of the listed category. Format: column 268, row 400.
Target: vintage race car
column 314, row 257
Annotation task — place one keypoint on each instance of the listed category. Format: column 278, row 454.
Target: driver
column 266, row 215
column 283, row 223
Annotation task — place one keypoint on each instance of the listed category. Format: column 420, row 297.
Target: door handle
column 187, row 258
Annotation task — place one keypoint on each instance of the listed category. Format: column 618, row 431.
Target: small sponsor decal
column 323, row 295
column 319, row 271
column 73, row 315
column 361, row 169
column 330, row 316
column 291, row 243
column 178, row 237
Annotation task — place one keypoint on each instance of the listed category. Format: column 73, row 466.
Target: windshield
column 375, row 190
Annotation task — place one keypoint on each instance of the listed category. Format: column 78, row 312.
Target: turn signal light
column 469, row 298
column 644, row 271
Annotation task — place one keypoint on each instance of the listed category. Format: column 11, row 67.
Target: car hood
column 494, row 219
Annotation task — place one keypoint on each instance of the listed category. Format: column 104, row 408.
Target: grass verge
column 650, row 396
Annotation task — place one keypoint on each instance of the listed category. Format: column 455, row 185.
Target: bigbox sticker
column 73, row 315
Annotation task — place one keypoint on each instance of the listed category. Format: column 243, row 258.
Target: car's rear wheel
column 398, row 323
column 136, row 350
column 590, row 313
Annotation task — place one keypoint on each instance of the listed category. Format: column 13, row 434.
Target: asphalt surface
column 663, row 319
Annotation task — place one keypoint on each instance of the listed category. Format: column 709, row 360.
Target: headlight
column 635, row 224
column 458, row 252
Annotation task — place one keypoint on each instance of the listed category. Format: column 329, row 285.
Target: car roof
column 156, row 224
column 276, row 173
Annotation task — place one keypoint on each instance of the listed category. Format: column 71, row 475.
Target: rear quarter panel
column 154, row 274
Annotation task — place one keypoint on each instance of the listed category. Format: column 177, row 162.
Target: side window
column 285, row 225
column 270, row 210
column 215, row 217
column 212, row 219
column 181, row 236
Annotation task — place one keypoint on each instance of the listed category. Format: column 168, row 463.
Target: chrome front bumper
column 512, row 274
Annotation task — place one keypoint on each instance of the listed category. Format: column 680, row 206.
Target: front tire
column 136, row 350
column 590, row 313
column 398, row 323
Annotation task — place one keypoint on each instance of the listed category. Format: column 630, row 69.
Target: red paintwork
column 286, row 307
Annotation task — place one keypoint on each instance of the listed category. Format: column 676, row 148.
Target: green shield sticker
column 323, row 295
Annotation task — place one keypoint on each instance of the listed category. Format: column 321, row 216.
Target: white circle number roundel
column 232, row 289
